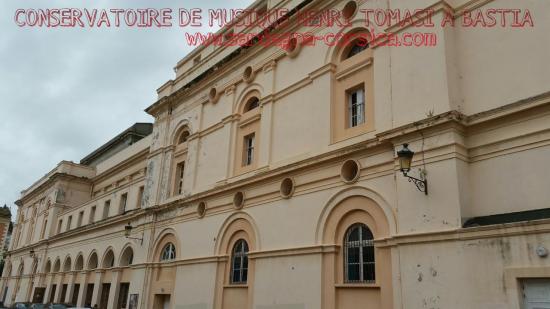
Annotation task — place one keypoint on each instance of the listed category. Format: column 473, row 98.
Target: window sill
column 357, row 286
column 236, row 286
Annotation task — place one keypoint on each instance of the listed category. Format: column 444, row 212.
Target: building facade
column 270, row 178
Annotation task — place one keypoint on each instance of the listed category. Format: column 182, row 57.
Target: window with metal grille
column 168, row 252
column 248, row 149
column 239, row 262
column 359, row 255
column 356, row 107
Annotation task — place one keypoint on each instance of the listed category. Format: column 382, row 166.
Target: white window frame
column 356, row 107
column 249, row 141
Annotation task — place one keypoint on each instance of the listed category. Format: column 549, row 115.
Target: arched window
column 252, row 103
column 239, row 262
column 356, row 46
column 92, row 261
column 109, row 260
column 183, row 137
column 168, row 252
column 79, row 264
column 359, row 255
column 127, row 257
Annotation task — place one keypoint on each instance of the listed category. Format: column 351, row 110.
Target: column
column 115, row 288
column 59, row 283
column 83, row 289
column 70, row 288
column 97, row 287
column 49, row 281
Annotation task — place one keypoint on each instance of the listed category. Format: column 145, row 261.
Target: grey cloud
column 64, row 92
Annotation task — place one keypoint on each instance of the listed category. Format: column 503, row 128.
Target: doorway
column 38, row 296
column 52, row 293
column 89, row 295
column 105, row 289
column 74, row 298
column 162, row 301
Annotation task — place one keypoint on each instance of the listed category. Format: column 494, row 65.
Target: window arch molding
column 166, row 236
column 57, row 265
column 347, row 208
column 108, row 258
column 181, row 127
column 239, row 225
column 67, row 264
column 334, row 52
column 48, row 266
column 252, row 90
column 126, row 256
column 79, row 262
column 92, row 262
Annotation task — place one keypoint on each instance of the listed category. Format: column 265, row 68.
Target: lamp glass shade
column 127, row 230
column 405, row 156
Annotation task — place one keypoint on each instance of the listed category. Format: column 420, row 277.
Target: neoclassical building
column 277, row 178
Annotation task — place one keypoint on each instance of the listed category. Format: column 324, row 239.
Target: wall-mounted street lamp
column 405, row 156
column 31, row 253
column 127, row 232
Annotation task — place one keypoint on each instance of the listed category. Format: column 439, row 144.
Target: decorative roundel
column 350, row 171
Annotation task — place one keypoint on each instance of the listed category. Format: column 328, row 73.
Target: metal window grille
column 168, row 252
column 239, row 263
column 359, row 264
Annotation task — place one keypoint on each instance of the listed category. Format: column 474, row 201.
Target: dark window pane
column 366, row 233
column 368, row 254
column 236, row 276
column 353, row 272
column 236, row 262
column 368, row 272
column 245, row 275
column 245, row 262
column 354, row 234
column 353, row 255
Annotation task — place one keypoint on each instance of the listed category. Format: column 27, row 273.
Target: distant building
column 5, row 229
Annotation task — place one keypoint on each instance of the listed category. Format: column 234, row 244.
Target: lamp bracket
column 136, row 238
column 421, row 184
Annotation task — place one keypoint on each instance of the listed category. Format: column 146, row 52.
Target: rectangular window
column 80, row 216
column 123, row 201
column 180, row 170
column 43, row 233
column 248, row 149
column 92, row 215
column 356, row 107
column 140, row 196
column 69, row 221
column 106, row 209
column 59, row 226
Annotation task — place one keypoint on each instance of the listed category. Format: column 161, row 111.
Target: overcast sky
column 64, row 92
